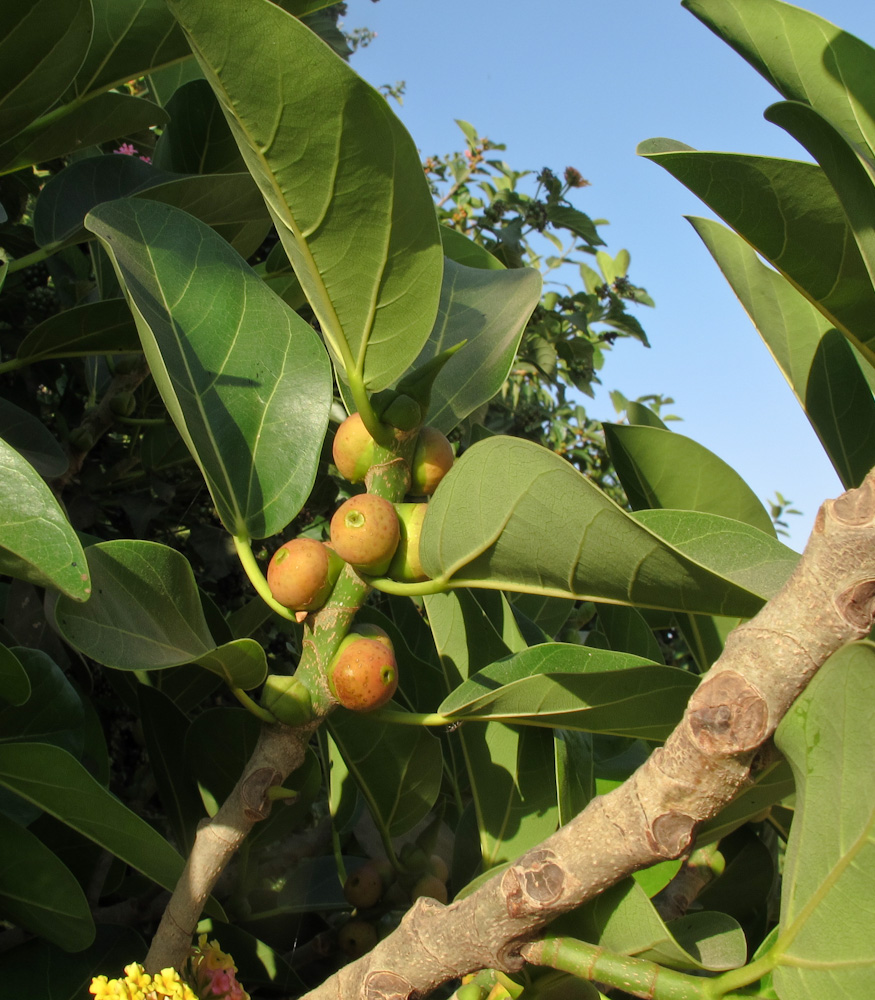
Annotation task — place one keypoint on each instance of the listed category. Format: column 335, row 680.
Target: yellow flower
column 139, row 985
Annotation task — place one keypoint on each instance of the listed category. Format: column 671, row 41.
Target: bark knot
column 728, row 714
column 856, row 506
column 384, row 985
column 857, row 605
column 534, row 883
column 671, row 834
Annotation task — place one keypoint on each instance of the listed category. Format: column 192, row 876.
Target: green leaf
column 37, row 543
column 39, row 893
column 659, row 468
column 462, row 250
column 576, row 222
column 32, row 440
column 624, row 920
column 105, row 327
column 575, row 774
column 825, row 943
column 814, row 357
column 512, row 782
column 576, row 687
column 803, row 56
column 341, row 176
column 850, row 171
column 397, row 768
column 788, row 211
column 627, row 632
column 230, row 203
column 773, row 785
column 14, row 681
column 130, row 40
column 197, row 140
column 146, row 614
column 42, row 45
column 503, row 492
column 488, row 309
column 53, row 780
column 53, row 713
column 237, row 397
column 77, row 126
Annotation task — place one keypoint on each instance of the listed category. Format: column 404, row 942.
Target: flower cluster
column 208, row 974
column 129, row 149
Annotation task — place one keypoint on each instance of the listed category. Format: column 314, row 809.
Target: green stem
column 378, row 431
column 20, row 263
column 257, row 579
column 440, row 585
column 142, row 421
column 736, row 979
column 397, row 718
column 252, row 706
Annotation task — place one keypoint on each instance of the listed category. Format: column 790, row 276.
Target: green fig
column 287, row 699
column 406, row 565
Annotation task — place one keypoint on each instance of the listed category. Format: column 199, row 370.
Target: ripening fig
column 405, row 565
column 363, row 675
column 429, row 885
column 287, row 699
column 432, row 460
column 370, row 631
column 302, row 573
column 365, row 533
column 364, row 887
column 357, row 937
column 353, row 449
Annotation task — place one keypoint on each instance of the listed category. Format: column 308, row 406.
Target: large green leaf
column 241, row 374
column 42, row 45
column 850, row 171
column 53, row 780
column 341, row 176
column 146, row 614
column 825, row 945
column 515, row 516
column 576, row 687
column 397, row 768
column 814, row 357
column 54, row 712
column 803, row 56
column 659, row 468
column 489, row 309
column 789, row 212
column 104, row 327
column 130, row 39
column 197, row 140
column 38, row 891
column 37, row 542
column 77, row 126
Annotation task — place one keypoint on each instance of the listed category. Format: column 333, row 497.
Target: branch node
column 533, row 884
column 254, row 792
column 857, row 605
column 384, row 985
column 728, row 714
column 671, row 834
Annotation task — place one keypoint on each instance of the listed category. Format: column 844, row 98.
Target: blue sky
column 569, row 82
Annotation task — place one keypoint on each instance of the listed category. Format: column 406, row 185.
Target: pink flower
column 126, row 149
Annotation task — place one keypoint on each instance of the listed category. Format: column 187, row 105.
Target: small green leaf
column 489, row 310
column 240, row 663
column 824, row 945
column 243, row 376
column 659, row 468
column 42, row 45
column 397, row 768
column 37, row 543
column 576, row 687
column 38, row 891
column 145, row 612
column 341, row 176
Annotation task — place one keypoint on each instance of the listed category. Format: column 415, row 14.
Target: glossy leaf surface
column 37, row 543
column 237, row 397
column 341, row 177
